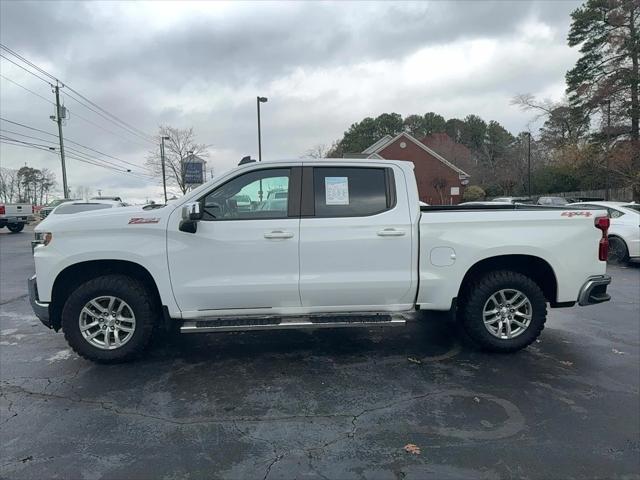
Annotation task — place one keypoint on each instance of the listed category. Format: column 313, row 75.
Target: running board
column 239, row 324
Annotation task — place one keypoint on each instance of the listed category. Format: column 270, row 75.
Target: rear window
column 350, row 192
column 633, row 207
column 80, row 207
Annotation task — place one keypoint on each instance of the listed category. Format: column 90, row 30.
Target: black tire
column 478, row 293
column 134, row 293
column 15, row 227
column 618, row 251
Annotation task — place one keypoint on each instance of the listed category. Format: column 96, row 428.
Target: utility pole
column 164, row 178
column 529, row 165
column 607, row 185
column 65, row 188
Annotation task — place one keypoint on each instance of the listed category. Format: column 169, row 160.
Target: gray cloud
column 204, row 70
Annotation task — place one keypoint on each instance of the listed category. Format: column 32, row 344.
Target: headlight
column 42, row 238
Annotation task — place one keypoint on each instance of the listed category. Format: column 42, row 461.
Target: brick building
column 439, row 181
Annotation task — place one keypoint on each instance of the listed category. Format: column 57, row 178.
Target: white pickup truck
column 15, row 216
column 342, row 243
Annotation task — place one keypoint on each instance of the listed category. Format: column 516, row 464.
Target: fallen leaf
column 414, row 360
column 476, row 399
column 566, row 362
column 617, row 351
column 412, row 448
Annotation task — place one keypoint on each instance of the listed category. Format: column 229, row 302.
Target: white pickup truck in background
column 311, row 244
column 15, row 216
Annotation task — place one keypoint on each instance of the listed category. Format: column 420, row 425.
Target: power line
column 97, row 112
column 73, row 113
column 28, row 90
column 97, row 108
column 27, row 126
column 106, row 129
column 80, row 156
column 25, row 69
column 69, row 141
column 135, row 130
column 78, row 152
column 33, row 65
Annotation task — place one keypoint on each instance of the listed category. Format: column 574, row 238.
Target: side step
column 279, row 323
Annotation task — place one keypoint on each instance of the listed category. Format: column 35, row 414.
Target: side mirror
column 192, row 211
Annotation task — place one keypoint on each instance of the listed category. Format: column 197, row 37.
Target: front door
column 244, row 254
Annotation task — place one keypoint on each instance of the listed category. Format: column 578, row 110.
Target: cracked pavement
column 327, row 404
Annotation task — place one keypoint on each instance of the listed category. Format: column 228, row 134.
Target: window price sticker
column 336, row 190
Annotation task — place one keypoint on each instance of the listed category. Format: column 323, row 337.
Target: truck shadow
column 425, row 335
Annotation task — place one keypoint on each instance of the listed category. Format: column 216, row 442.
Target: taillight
column 602, row 223
column 2, row 210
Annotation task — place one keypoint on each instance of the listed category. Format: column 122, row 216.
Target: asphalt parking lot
column 338, row 404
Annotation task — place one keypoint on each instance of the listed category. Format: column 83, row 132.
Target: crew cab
column 15, row 216
column 321, row 243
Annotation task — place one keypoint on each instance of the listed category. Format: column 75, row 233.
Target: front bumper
column 40, row 309
column 595, row 290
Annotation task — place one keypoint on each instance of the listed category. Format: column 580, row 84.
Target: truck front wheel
column 109, row 319
column 503, row 311
column 15, row 227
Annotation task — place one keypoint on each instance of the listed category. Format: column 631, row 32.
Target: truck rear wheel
column 503, row 311
column 15, row 227
column 109, row 319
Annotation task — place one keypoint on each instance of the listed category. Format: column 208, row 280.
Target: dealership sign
column 193, row 168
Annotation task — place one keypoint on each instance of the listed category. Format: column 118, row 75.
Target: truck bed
column 454, row 239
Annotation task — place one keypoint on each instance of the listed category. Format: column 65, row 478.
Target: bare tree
column 8, row 184
column 440, row 184
column 320, row 150
column 563, row 124
column 178, row 148
column 82, row 192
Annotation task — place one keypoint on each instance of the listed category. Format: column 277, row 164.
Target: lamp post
column 164, row 179
column 260, row 100
column 529, row 165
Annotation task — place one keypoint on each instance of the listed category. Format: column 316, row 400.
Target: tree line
column 587, row 141
column 26, row 185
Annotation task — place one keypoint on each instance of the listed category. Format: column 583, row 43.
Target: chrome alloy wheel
column 107, row 322
column 507, row 313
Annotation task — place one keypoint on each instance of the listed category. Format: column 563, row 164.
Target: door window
column 350, row 192
column 261, row 194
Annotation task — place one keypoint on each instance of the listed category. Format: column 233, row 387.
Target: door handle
column 391, row 232
column 278, row 234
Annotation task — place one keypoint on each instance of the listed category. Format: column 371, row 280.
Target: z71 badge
column 577, row 213
column 139, row 220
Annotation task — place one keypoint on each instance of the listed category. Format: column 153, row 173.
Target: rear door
column 355, row 239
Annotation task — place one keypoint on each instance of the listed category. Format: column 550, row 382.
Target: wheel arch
column 74, row 275
column 538, row 269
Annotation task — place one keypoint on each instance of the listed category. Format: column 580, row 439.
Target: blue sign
column 193, row 173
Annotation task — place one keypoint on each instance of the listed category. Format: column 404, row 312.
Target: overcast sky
column 323, row 66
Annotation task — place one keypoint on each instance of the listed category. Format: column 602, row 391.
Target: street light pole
column 164, row 178
column 260, row 100
column 529, row 165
